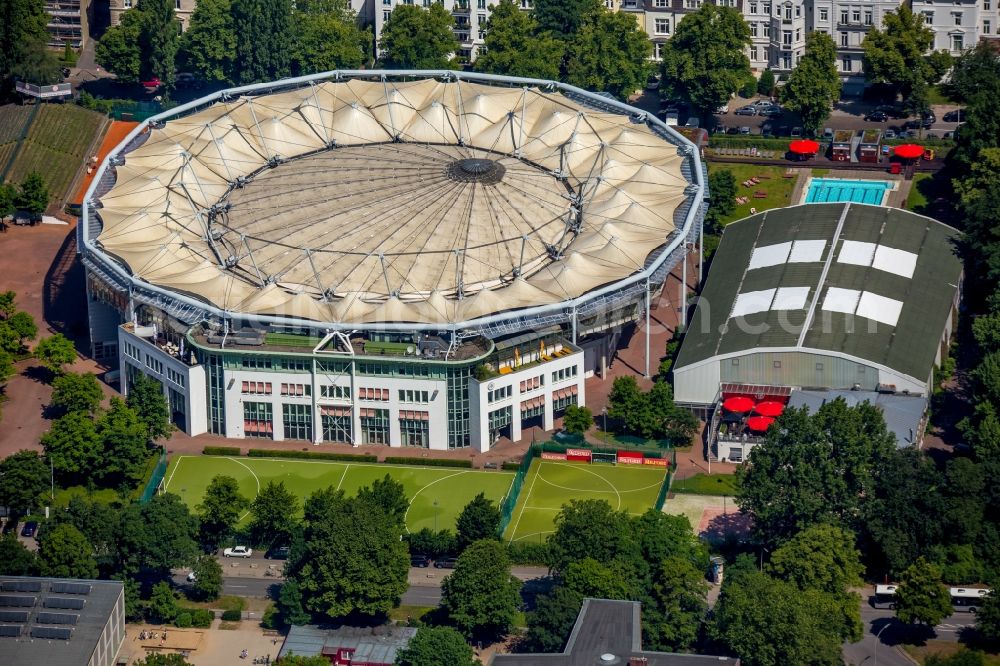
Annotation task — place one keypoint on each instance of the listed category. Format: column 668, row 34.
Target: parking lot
column 847, row 114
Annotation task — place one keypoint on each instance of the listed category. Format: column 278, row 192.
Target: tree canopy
column 609, row 53
column 55, row 351
column 73, row 392
column 208, row 47
column 515, row 46
column 479, row 519
column 272, row 514
column 23, row 33
column 144, row 44
column 705, row 62
column 921, row 598
column 417, row 38
column 33, row 194
column 264, row 39
column 481, row 597
column 64, row 552
column 436, row 646
column 220, row 509
column 146, row 398
column 899, row 53
column 157, row 536
column 24, row 480
column 814, row 84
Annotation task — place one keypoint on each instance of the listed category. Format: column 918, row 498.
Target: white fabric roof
column 891, row 260
column 879, row 308
column 769, row 255
column 751, row 302
column 856, row 253
column 790, row 298
column 365, row 217
column 841, row 300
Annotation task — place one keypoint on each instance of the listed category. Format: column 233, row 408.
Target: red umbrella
column 908, row 151
column 804, row 147
column 759, row 423
column 738, row 403
column 769, row 408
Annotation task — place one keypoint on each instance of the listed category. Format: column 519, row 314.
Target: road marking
column 527, row 497
column 239, row 587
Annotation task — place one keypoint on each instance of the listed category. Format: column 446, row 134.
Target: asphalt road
column 884, row 634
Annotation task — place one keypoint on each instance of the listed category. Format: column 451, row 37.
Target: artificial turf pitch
column 437, row 494
column 550, row 484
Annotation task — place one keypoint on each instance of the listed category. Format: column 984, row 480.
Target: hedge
column 315, row 455
column 232, row 616
column 428, row 462
column 221, row 451
column 528, row 553
column 510, row 466
column 202, row 618
column 183, row 620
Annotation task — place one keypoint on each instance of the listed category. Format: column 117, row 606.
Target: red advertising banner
column 630, row 458
column 553, row 456
column 659, row 462
column 578, row 454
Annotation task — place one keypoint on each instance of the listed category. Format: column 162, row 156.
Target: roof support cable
column 246, row 244
column 260, row 133
column 312, row 264
column 388, row 104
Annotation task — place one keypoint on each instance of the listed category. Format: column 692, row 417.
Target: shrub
column 221, row 451
column 183, row 620
column 428, row 462
column 528, row 553
column 510, row 466
column 232, row 616
column 202, row 618
column 314, row 455
column 271, row 618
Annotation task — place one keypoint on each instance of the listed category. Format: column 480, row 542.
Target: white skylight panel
column 804, row 251
column 752, row 302
column 898, row 262
column 856, row 253
column 769, row 255
column 841, row 300
column 881, row 309
column 790, row 298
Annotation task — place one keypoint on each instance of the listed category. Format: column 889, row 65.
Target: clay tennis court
column 117, row 131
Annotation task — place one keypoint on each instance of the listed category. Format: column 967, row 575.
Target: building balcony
column 175, row 348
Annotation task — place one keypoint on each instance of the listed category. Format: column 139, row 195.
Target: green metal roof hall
column 823, row 296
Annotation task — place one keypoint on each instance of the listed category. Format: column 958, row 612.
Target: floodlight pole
column 684, row 277
column 701, row 248
column 647, row 328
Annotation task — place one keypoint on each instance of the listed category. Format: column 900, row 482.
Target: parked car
column 948, row 135
column 782, row 130
column 30, row 529
column 828, row 133
column 152, row 84
column 446, row 563
column 719, row 129
column 954, row 116
column 773, row 111
column 925, row 121
column 732, row 130
column 723, row 109
column 889, row 134
column 277, row 553
column 762, row 103
column 744, row 130
column 796, row 132
column 653, row 82
column 421, row 561
column 891, row 110
column 877, row 117
column 238, row 551
column 748, row 110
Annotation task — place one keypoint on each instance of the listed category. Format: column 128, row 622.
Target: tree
column 159, row 39
column 388, row 495
column 73, row 392
column 626, row 402
column 899, row 54
column 975, row 80
column 119, row 49
column 300, row 660
column 33, row 194
column 480, row 519
column 979, row 202
column 609, row 53
column 987, row 618
column 23, row 325
column 563, row 18
column 765, row 84
column 7, row 197
column 156, row 536
column 264, row 39
column 431, row 543
column 722, row 185
column 208, row 47
column 24, row 480
column 820, row 557
column 22, row 28
column 704, row 62
column 964, row 657
column 64, row 552
column 162, row 606
column 673, row 620
column 353, row 561
column 15, row 558
column 480, row 597
column 515, row 47
column 590, row 578
column 207, row 577
column 590, row 528
column 125, row 439
column 577, row 420
column 552, row 620
column 165, row 659
column 921, row 598
column 290, row 604
column 272, row 513
column 415, row 38
column 145, row 397
column 55, row 351
column 220, row 509
column 327, row 37
column 72, row 445
column 98, row 521
column 768, row 622
column 436, row 646
column 814, row 84
column 665, row 419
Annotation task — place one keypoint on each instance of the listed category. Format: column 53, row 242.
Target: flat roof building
column 60, row 622
column 343, row 646
column 609, row 632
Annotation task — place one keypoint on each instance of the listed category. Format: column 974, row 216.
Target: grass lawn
column 935, row 95
column 917, row 198
column 437, row 494
column 703, row 484
column 550, row 484
column 779, row 190
column 403, row 614
column 944, row 649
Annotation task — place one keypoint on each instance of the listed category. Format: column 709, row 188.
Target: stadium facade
column 430, row 259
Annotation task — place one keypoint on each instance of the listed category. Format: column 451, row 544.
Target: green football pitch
column 437, row 494
column 550, row 484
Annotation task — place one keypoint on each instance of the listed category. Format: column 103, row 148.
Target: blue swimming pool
column 823, row 190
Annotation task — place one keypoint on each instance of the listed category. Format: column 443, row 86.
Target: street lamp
column 435, row 515
column 604, row 413
column 878, row 640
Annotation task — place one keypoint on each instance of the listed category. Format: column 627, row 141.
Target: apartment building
column 67, row 23
column 958, row 24
column 184, row 9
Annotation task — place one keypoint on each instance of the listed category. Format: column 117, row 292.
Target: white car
column 238, row 551
column 192, row 577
